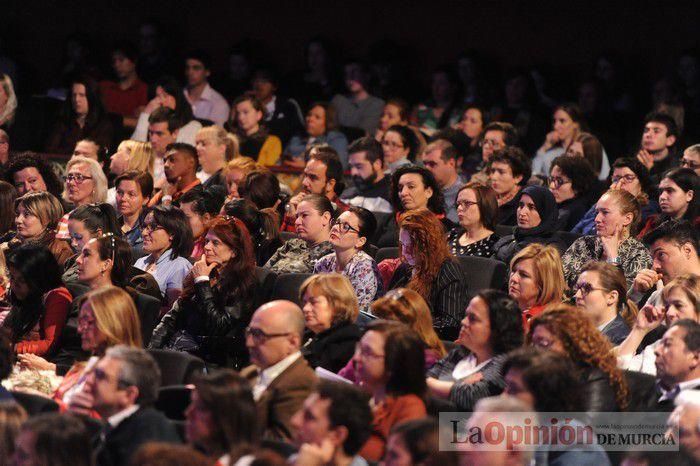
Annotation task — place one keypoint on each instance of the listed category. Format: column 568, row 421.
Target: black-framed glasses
column 392, row 144
column 692, row 164
column 152, row 226
column 344, row 227
column 586, row 288
column 259, row 336
column 558, row 181
column 78, row 178
column 624, row 178
column 465, row 204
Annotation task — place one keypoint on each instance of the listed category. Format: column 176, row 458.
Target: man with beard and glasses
column 370, row 187
column 180, row 168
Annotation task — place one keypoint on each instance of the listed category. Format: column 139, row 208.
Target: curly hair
column 584, row 344
column 436, row 203
column 505, row 320
column 429, row 248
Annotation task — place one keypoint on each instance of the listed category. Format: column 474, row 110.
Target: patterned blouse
column 634, row 256
column 295, row 256
column 362, row 272
column 482, row 248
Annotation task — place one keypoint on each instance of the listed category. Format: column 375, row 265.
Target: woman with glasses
column 691, row 158
column 571, row 181
column 601, row 292
column 85, row 183
column 167, row 238
column 320, row 129
column 568, row 331
column 477, row 208
column 349, row 236
column 490, row 328
column 390, row 366
column 399, row 145
column 218, row 299
column 617, row 217
column 330, row 311
column 568, row 122
column 679, row 199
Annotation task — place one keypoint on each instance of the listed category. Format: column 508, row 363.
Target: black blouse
column 482, row 248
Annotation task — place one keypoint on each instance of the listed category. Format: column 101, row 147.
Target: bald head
column 279, row 326
column 283, row 315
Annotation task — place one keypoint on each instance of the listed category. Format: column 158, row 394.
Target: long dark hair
column 42, row 273
column 96, row 110
column 262, row 224
column 118, row 249
column 175, row 223
column 183, row 109
column 687, row 180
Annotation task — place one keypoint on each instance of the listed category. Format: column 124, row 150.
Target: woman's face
column 413, row 193
column 575, row 149
column 679, row 306
column 564, row 126
column 166, row 100
column 318, row 312
column 397, row 453
column 672, row 199
column 90, row 265
column 316, row 121
column 210, row 154
column 523, row 286
column 369, row 360
column 216, row 251
column 609, row 216
column 544, row 339
column 129, row 198
column 394, row 147
column 501, row 178
column 515, row 387
column 29, row 180
column 391, row 115
column 197, row 222
column 92, row 340
column 627, row 180
column 79, row 234
column 407, row 247
column 80, row 192
column 28, row 225
column 119, row 161
column 247, row 117
column 475, row 333
column 472, row 123
column 528, row 216
column 234, row 177
column 155, row 239
column 590, row 296
column 199, row 421
column 18, row 284
column 560, row 185
column 468, row 209
column 79, row 99
column 341, row 239
column 310, row 224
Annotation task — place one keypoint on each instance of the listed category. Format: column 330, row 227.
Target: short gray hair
column 98, row 177
column 138, row 369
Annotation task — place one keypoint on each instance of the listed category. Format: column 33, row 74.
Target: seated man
column 370, row 185
column 678, row 362
column 440, row 158
column 283, row 116
column 357, row 109
column 686, row 418
column 332, row 426
column 280, row 376
column 180, row 168
column 88, row 148
column 659, row 138
column 127, row 94
column 207, row 104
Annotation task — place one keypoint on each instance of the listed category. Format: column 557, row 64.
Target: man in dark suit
column 678, row 362
column 122, row 388
column 280, row 376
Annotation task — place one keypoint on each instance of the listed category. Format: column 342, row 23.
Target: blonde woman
column 130, row 156
column 85, row 183
column 215, row 147
column 235, row 172
column 8, row 101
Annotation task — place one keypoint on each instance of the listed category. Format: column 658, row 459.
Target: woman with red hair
column 217, row 301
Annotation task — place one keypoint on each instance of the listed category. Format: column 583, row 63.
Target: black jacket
column 571, row 212
column 617, row 330
column 332, row 348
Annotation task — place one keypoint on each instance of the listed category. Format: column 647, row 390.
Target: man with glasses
column 691, row 158
column 280, row 376
column 440, row 158
column 122, row 389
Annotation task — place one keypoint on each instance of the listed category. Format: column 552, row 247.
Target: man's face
column 655, row 137
column 444, row 172
column 493, row 141
column 109, row 395
column 669, row 259
column 160, row 136
column 177, row 165
column 266, row 350
column 674, row 361
column 122, row 66
column 311, row 422
column 361, row 170
column 29, row 180
column 86, row 149
column 314, row 180
column 689, row 431
column 263, row 89
column 195, row 72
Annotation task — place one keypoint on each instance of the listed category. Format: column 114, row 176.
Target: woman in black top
column 571, row 181
column 476, row 209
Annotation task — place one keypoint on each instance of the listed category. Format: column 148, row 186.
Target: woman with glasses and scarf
column 349, row 235
column 218, row 299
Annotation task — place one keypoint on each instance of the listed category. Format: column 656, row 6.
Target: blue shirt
column 169, row 273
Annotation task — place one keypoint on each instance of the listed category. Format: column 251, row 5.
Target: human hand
column 153, row 105
column 293, row 203
column 649, row 318
column 611, row 243
column 551, row 140
column 474, row 378
column 645, row 280
column 645, row 158
column 201, row 268
column 315, row 455
column 34, row 362
column 81, row 402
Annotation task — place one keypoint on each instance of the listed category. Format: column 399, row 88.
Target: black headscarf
column 547, row 208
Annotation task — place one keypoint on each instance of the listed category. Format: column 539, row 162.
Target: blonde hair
column 141, row 155
column 549, row 272
column 116, row 316
column 689, row 284
column 99, row 194
column 338, row 290
column 408, row 307
column 628, row 204
column 44, row 206
column 221, row 137
column 12, row 415
column 244, row 164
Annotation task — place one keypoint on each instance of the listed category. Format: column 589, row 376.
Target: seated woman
column 262, row 224
column 200, row 207
column 474, row 119
column 427, row 268
column 389, row 360
column 37, row 217
column 86, row 183
column 167, row 238
column 587, row 146
column 349, row 236
column 39, row 300
column 441, row 110
column 477, row 208
column 408, row 307
column 254, row 141
column 400, row 147
column 215, row 148
column 218, row 299
column 509, row 171
column 537, row 223
column 678, row 199
column 601, row 293
column 568, row 123
column 169, row 94
column 536, row 280
column 235, row 173
column 313, row 225
column 320, row 129
column 571, row 180
column 133, row 191
column 330, row 311
column 618, row 216
column 570, row 332
column 472, row 370
column 681, row 300
column 396, row 112
column 130, row 156
column 631, row 175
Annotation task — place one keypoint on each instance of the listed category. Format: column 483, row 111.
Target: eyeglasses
column 153, row 226
column 692, row 164
column 557, row 181
column 344, row 227
column 490, row 142
column 465, row 204
column 259, row 336
column 586, row 288
column 392, row 144
column 76, row 177
column 365, row 352
column 624, row 178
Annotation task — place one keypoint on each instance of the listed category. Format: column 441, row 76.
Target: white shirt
column 210, row 106
column 115, row 419
column 643, row 362
column 270, row 108
column 271, row 373
column 467, row 367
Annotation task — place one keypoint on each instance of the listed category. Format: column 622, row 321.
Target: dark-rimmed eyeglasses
column 78, row 178
column 624, row 178
column 692, row 164
column 586, row 288
column 152, row 226
column 259, row 336
column 558, row 181
column 465, row 204
column 344, row 227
